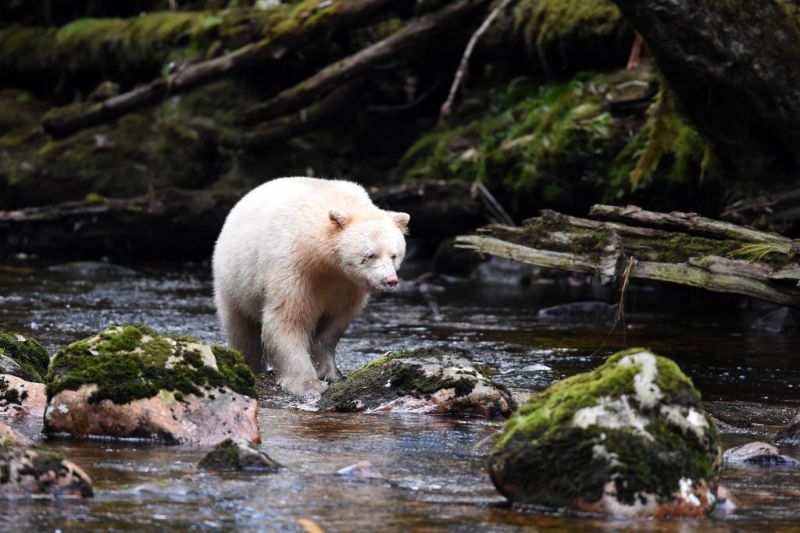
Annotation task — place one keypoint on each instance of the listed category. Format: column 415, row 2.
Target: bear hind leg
column 243, row 333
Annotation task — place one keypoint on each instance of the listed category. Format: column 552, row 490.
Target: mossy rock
column 38, row 473
column 563, row 33
column 534, row 145
column 23, row 357
column 134, row 155
column 237, row 454
column 630, row 438
column 423, row 380
column 130, row 362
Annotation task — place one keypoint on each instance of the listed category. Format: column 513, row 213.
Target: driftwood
column 409, row 37
column 335, row 14
column 680, row 248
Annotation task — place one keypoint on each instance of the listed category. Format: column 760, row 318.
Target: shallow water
column 432, row 466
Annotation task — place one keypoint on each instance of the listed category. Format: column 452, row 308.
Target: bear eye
column 371, row 256
column 394, row 256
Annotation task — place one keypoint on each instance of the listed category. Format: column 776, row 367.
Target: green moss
column 550, row 27
column 18, row 109
column 225, row 456
column 543, row 457
column 666, row 150
column 554, row 142
column 382, row 380
column 32, row 358
column 138, row 153
column 131, row 362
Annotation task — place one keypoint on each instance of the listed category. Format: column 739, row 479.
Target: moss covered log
column 135, row 49
column 568, row 34
column 676, row 247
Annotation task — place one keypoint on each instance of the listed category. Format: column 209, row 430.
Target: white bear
column 295, row 261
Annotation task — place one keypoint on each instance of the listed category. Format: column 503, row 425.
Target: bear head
column 369, row 249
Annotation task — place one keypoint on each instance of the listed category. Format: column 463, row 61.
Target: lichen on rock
column 630, row 438
column 129, row 381
column 424, row 381
column 237, row 454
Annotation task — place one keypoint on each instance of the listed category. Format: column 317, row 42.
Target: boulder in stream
column 20, row 398
column 130, row 382
column 789, row 434
column 23, row 357
column 419, row 381
column 757, row 454
column 35, row 473
column 238, row 454
column 630, row 439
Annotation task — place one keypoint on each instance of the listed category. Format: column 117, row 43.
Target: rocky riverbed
column 431, row 469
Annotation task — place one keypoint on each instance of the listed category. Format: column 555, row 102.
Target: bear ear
column 401, row 219
column 338, row 217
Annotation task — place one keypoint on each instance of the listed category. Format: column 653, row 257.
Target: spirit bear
column 295, row 261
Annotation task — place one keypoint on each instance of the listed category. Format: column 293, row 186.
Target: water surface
column 433, row 471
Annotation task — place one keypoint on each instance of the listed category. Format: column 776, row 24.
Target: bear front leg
column 323, row 351
column 287, row 344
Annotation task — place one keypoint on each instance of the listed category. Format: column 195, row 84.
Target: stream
column 432, row 467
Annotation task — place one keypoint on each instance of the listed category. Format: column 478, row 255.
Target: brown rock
column 203, row 421
column 31, row 399
column 39, row 474
column 9, row 432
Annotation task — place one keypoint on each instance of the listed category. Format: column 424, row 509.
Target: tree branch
column 332, row 15
column 396, row 44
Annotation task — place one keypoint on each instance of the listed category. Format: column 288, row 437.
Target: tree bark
column 735, row 67
column 695, row 251
column 410, row 36
column 329, row 17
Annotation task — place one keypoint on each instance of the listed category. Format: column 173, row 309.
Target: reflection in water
column 432, row 466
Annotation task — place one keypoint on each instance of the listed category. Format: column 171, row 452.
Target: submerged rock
column 757, row 453
column 361, row 470
column 130, row 382
column 592, row 311
column 23, row 357
column 28, row 472
column 21, row 398
column 237, row 454
column 628, row 439
column 790, row 434
column 419, row 381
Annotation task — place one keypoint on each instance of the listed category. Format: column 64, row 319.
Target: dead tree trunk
column 676, row 247
column 735, row 67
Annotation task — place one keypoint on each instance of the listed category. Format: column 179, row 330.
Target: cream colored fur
column 294, row 263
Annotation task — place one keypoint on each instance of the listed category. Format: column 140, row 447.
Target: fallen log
column 324, row 18
column 355, row 65
column 681, row 248
column 179, row 224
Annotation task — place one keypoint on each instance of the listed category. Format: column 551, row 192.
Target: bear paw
column 309, row 388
